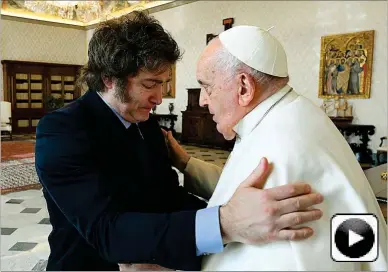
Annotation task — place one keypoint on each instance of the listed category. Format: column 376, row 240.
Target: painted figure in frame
column 345, row 60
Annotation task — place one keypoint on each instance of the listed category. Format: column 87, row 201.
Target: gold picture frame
column 346, row 65
column 170, row 88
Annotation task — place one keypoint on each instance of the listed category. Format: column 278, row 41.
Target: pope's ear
column 246, row 89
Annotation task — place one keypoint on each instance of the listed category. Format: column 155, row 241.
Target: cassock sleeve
column 202, row 177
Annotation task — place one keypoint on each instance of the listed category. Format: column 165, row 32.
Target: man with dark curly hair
column 112, row 194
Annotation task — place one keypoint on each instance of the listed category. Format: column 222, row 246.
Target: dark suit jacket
column 112, row 197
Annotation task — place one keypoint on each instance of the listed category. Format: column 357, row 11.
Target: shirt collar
column 125, row 122
column 249, row 121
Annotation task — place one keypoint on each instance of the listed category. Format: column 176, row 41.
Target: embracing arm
column 64, row 166
column 203, row 177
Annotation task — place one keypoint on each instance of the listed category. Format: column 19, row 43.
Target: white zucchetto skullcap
column 256, row 48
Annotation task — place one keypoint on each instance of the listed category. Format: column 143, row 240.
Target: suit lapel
column 115, row 139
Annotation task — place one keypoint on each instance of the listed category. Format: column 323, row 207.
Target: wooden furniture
column 378, row 181
column 361, row 150
column 381, row 152
column 383, row 207
column 198, row 127
column 6, row 118
column 167, row 117
column 35, row 88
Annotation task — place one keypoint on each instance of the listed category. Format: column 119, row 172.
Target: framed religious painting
column 169, row 88
column 346, row 65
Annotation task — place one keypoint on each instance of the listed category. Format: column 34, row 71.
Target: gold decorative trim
column 169, row 5
column 384, row 176
column 13, row 14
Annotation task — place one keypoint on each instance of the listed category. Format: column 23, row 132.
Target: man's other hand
column 142, row 267
column 178, row 155
column 254, row 215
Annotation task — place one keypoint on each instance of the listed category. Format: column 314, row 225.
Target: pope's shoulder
column 300, row 126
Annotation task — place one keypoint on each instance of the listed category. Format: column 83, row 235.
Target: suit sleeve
column 65, row 168
column 202, row 177
column 183, row 198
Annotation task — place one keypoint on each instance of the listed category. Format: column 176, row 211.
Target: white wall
column 89, row 34
column 299, row 25
column 41, row 43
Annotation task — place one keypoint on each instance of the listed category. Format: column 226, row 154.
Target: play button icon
column 354, row 237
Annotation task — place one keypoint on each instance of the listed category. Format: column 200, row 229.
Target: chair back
column 5, row 108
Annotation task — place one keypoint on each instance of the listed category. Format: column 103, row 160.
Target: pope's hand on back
column 255, row 215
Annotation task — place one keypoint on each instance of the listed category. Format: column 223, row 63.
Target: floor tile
column 45, row 221
column 23, row 246
column 8, row 209
column 31, row 210
column 34, row 233
column 40, row 266
column 42, row 250
column 38, row 200
column 14, row 201
column 18, row 220
column 22, row 261
column 7, row 231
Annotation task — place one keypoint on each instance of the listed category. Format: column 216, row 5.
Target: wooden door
column 28, row 91
column 61, row 86
column 192, row 127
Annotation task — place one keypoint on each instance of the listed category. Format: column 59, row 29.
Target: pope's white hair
column 226, row 62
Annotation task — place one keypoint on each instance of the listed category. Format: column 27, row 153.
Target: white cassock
column 304, row 145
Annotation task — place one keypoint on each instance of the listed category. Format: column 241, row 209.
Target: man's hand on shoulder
column 178, row 155
column 254, row 215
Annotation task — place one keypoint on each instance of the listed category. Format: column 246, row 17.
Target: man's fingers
column 164, row 132
column 289, row 190
column 299, row 203
column 295, row 234
column 298, row 218
column 142, row 267
column 169, row 136
column 258, row 177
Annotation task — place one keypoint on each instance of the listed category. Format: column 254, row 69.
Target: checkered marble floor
column 25, row 223
column 214, row 156
column 25, row 227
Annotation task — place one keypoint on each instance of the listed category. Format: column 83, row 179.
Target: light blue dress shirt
column 207, row 221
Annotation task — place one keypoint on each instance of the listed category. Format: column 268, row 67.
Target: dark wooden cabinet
column 35, row 88
column 198, row 126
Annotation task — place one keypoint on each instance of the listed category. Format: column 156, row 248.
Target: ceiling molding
column 39, row 22
column 162, row 7
column 29, row 17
